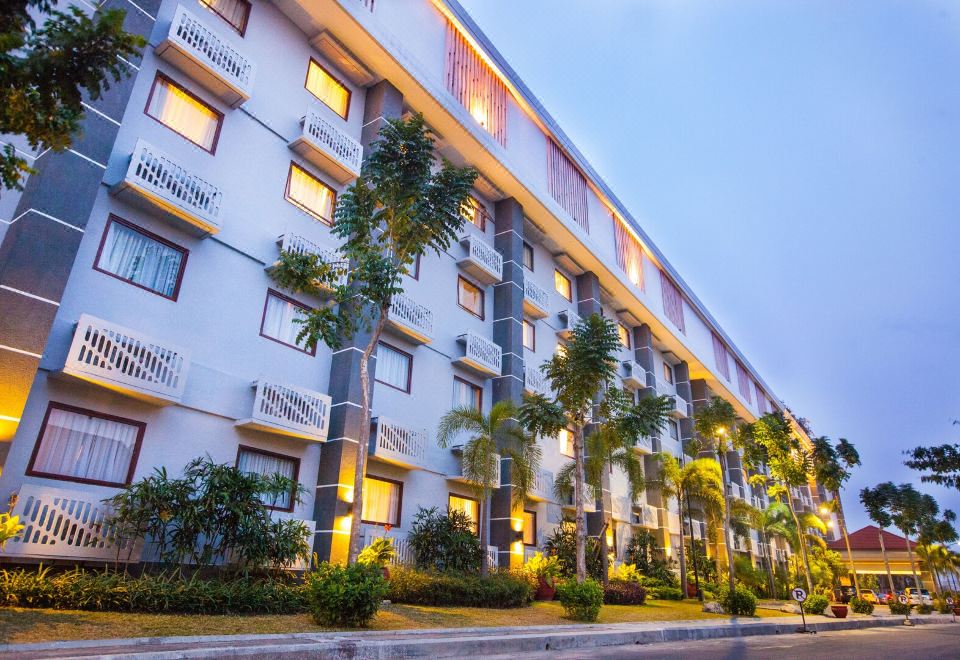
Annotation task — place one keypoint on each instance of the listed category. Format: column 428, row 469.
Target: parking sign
column 799, row 594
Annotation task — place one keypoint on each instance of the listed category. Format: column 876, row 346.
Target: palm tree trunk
column 580, row 522
column 803, row 543
column 484, row 508
column 683, row 554
column 913, row 566
column 693, row 553
column 846, row 539
column 886, row 562
column 363, row 441
column 726, row 520
column 773, row 581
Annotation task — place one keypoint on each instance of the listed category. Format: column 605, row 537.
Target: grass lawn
column 19, row 625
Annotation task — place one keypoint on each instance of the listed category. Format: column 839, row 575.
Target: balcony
column 633, row 374
column 679, row 409
column 542, row 486
column 410, row 319
column 645, row 515
column 736, row 490
column 199, row 52
column 480, row 355
column 536, row 300
column 394, row 443
column 288, row 410
column 534, row 380
column 589, row 503
column 481, row 260
column 328, row 147
column 670, row 520
column 299, row 245
column 127, row 361
column 567, row 321
column 621, row 508
column 644, row 445
column 155, row 180
column 458, row 476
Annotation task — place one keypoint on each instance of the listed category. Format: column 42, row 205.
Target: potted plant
column 545, row 570
column 379, row 553
column 839, row 610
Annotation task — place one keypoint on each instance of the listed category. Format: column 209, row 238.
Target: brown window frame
column 483, row 298
column 336, row 79
column 528, row 249
column 473, row 386
column 524, row 529
column 273, row 454
column 533, row 333
column 409, row 357
column 134, row 456
column 399, row 503
column 170, row 81
column 263, row 319
column 242, row 30
column 111, row 218
column 286, row 193
column 668, row 374
column 466, row 497
column 415, row 272
column 556, row 272
column 480, row 212
column 627, row 346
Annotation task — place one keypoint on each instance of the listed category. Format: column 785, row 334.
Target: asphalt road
column 927, row 642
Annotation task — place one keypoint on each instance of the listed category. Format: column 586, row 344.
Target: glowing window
column 466, row 505
column 234, row 12
column 529, row 527
column 476, row 213
column 470, row 297
column 179, row 110
column 529, row 335
column 333, row 93
column 381, row 501
column 563, row 285
column 624, row 333
column 566, row 442
column 310, row 194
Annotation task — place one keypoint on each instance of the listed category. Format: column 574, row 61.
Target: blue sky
column 799, row 163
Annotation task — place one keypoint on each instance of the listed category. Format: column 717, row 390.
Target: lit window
column 529, row 335
column 561, row 349
column 136, row 256
column 528, row 256
column 87, row 447
column 562, row 284
column 529, row 527
column 267, row 464
column 281, row 321
column 234, row 12
column 381, row 501
column 566, row 442
column 176, row 108
column 394, row 367
column 476, row 213
column 624, row 333
column 310, row 194
column 668, row 373
column 466, row 505
column 333, row 93
column 470, row 297
column 467, row 395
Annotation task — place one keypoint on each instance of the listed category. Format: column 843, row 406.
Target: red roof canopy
column 868, row 538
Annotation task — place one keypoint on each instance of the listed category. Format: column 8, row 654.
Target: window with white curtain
column 280, row 321
column 393, row 367
column 333, row 93
column 467, row 395
column 466, row 505
column 175, row 107
column 234, row 12
column 138, row 257
column 381, row 501
column 266, row 464
column 85, row 446
column 310, row 194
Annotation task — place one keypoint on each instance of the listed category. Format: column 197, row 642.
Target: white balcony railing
column 528, row 552
column 480, row 354
column 646, row 515
column 458, row 476
column 201, row 53
column 127, row 361
column 665, row 389
column 393, row 442
column 644, row 445
column 633, row 374
column 163, row 184
column 534, row 380
column 493, row 556
column 542, row 486
column 289, row 410
column 589, row 503
column 402, row 550
column 621, row 508
column 567, row 321
column 481, row 260
column 679, row 409
column 536, row 300
column 411, row 319
column 328, row 147
column 296, row 244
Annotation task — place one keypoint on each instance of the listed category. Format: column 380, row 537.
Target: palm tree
column 490, row 437
column 832, row 467
column 773, row 522
column 934, row 536
column 697, row 481
column 875, row 502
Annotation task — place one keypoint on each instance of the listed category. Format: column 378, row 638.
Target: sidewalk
column 440, row 643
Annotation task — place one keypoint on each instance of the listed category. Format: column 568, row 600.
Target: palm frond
column 458, row 421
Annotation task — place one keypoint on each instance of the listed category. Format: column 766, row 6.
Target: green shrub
column 896, row 607
column 665, row 593
column 816, row 604
column 445, row 541
column 741, row 602
column 924, row 608
column 379, row 553
column 581, row 600
column 345, row 595
column 543, row 568
column 940, row 604
column 563, row 545
column 497, row 590
column 861, row 606
column 623, row 592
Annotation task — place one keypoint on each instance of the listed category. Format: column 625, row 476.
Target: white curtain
column 256, row 463
column 465, row 395
column 470, row 507
column 279, row 320
column 326, row 88
column 183, row 113
column 393, row 367
column 233, row 11
column 86, row 447
column 130, row 255
column 310, row 193
column 381, row 502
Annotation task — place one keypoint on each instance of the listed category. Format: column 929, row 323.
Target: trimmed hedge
column 497, row 590
column 816, row 604
column 620, row 592
column 861, row 606
column 665, row 593
column 581, row 600
column 346, row 595
column 896, row 607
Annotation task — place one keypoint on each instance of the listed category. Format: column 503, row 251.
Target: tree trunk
column 580, row 522
column 846, row 539
column 363, row 441
column 727, row 540
column 693, row 553
column 773, row 580
column 913, row 566
column 484, row 527
column 683, row 557
column 803, row 543
column 886, row 563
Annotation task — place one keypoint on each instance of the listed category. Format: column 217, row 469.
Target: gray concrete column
column 681, row 376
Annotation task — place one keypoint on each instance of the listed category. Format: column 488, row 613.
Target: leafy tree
column 46, row 69
column 832, row 465
column 398, row 209
column 941, row 462
column 489, row 436
column 445, row 541
column 775, row 521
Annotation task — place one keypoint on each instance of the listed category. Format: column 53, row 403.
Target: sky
column 798, row 162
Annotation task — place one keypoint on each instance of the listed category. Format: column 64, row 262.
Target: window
column 629, row 253
column 177, row 109
column 566, row 442
column 265, row 463
column 394, row 367
column 476, row 213
column 562, row 284
column 470, row 297
column 333, row 93
column 415, row 269
column 310, row 194
column 475, row 85
column 668, row 373
column 381, row 501
column 529, row 527
column 86, row 447
column 234, row 12
column 467, row 395
column 143, row 259
column 673, row 429
column 529, row 335
column 567, row 184
column 466, row 505
column 280, row 321
column 624, row 333
column 528, row 256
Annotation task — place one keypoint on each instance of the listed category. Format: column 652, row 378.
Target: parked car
column 918, row 596
column 869, row 596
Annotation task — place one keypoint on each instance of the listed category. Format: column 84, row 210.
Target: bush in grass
column 665, row 593
column 896, row 607
column 815, row 604
column 445, row 541
column 345, row 595
column 925, row 608
column 940, row 604
column 861, row 606
column 623, row 592
column 502, row 589
column 581, row 600
column 740, row 602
